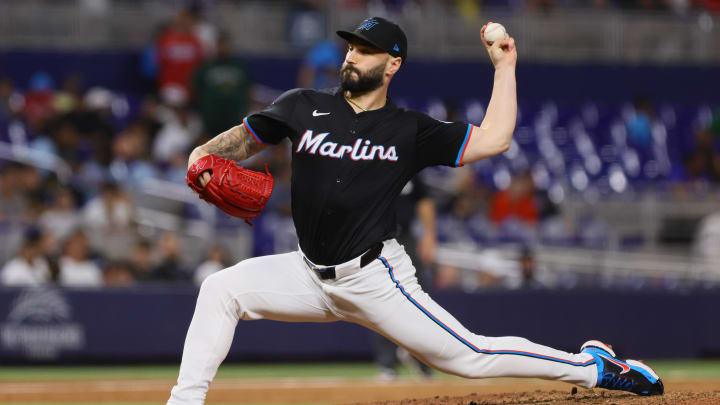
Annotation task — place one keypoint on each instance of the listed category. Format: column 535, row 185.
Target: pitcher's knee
column 213, row 284
column 222, row 284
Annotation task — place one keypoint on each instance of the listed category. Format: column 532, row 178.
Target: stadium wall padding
column 456, row 80
column 148, row 324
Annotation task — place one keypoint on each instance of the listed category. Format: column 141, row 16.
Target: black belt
column 328, row 273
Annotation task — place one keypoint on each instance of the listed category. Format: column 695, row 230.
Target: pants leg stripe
column 465, row 342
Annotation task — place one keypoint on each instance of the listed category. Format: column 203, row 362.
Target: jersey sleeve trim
column 461, row 153
column 257, row 138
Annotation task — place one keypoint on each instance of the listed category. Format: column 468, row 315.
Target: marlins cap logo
column 368, row 24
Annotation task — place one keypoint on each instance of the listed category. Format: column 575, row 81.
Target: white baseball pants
column 383, row 296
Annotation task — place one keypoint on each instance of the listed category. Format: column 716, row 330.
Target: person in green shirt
column 222, row 88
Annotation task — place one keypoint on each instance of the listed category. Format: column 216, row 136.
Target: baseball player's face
column 363, row 69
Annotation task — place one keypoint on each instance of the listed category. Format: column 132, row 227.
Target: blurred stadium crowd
column 468, row 8
column 73, row 158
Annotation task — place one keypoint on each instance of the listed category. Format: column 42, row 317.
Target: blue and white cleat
column 627, row 375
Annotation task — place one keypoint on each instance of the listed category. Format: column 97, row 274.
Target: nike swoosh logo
column 625, row 367
column 317, row 114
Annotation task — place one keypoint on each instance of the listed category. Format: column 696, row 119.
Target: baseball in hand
column 494, row 32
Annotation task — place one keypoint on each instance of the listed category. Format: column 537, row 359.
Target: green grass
column 687, row 369
column 279, row 370
column 670, row 369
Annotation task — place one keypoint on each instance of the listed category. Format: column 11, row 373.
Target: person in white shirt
column 29, row 268
column 62, row 217
column 76, row 269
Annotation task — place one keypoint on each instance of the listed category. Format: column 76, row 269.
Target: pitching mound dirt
column 557, row 397
column 357, row 391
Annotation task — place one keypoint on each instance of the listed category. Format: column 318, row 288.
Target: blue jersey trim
column 465, row 342
column 247, row 125
column 461, row 152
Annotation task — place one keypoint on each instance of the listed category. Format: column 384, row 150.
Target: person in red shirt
column 516, row 202
column 179, row 52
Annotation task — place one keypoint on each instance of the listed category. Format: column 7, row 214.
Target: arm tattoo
column 236, row 143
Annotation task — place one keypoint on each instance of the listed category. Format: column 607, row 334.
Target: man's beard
column 365, row 82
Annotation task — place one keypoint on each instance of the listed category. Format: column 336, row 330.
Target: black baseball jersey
column 406, row 205
column 348, row 168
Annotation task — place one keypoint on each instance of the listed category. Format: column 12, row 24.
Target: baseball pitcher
column 353, row 150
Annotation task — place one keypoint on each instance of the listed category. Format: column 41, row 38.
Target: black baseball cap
column 380, row 33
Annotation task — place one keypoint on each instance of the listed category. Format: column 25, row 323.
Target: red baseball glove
column 237, row 191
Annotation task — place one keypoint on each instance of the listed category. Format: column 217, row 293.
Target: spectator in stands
column 205, row 31
column 222, row 89
column 110, row 221
column 132, row 164
column 11, row 196
column 639, row 124
column 517, row 202
column 96, row 123
column 70, row 95
column 321, row 66
column 21, row 194
column 62, row 217
column 76, row 268
column 7, row 107
column 112, row 209
column 68, row 143
column 181, row 127
column 466, row 222
column 216, row 260
column 30, row 267
column 118, row 274
column 704, row 160
column 169, row 266
column 141, row 260
column 179, row 52
column 151, row 112
column 701, row 166
column 464, row 227
column 148, row 66
column 34, row 208
column 82, row 136
column 34, row 189
column 38, row 108
column 529, row 270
